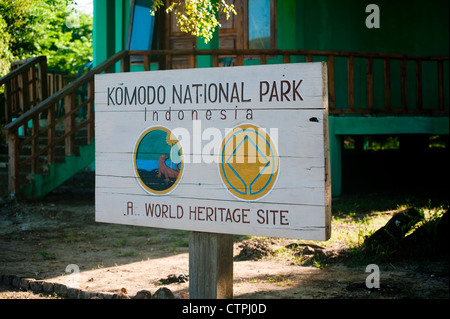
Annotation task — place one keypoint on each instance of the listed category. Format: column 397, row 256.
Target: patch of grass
column 153, row 240
column 121, row 243
column 130, row 253
column 46, row 255
column 139, row 232
column 431, row 216
column 75, row 237
column 356, row 217
column 99, row 266
column 281, row 280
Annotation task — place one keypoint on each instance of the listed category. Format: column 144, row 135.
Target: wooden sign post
column 216, row 151
column 210, row 266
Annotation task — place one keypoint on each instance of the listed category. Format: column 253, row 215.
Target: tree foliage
column 48, row 27
column 197, row 17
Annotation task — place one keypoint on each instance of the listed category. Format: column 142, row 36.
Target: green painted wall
column 409, row 27
column 415, row 27
column 111, row 19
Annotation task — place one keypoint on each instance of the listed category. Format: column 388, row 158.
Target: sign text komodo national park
column 235, row 150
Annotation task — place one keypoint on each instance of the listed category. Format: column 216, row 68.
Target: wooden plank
column 440, row 65
column 192, row 59
column 369, row 84
column 211, row 275
column 69, row 124
column 387, row 84
column 351, row 83
column 23, row 93
column 90, row 111
column 326, row 151
column 35, row 144
column 51, row 134
column 13, row 163
column 125, row 64
column 168, row 62
column 419, row 99
column 263, row 59
column 215, row 59
column 146, row 63
column 331, row 87
column 50, row 83
column 403, row 84
column 32, row 87
column 8, row 102
column 239, row 60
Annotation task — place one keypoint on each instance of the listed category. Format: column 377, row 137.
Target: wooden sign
column 237, row 150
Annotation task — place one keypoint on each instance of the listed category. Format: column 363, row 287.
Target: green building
column 401, row 41
column 388, row 71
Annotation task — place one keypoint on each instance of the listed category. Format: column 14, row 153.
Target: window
column 260, row 24
column 141, row 25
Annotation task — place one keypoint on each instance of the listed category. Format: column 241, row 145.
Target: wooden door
column 232, row 35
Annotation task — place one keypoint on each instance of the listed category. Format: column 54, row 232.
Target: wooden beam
column 192, row 59
column 441, row 84
column 125, row 64
column 331, row 91
column 8, row 102
column 369, row 84
column 387, row 84
column 215, row 59
column 51, row 134
column 13, row 162
column 23, row 93
column 351, row 83
column 90, row 112
column 69, row 124
column 263, row 59
column 146, row 63
column 210, row 266
column 35, row 144
column 240, row 60
column 419, row 99
column 403, row 84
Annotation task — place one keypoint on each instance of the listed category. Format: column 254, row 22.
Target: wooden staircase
column 51, row 140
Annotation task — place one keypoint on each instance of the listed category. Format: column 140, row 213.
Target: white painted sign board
column 237, row 150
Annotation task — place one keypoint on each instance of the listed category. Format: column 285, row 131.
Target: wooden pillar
column 335, row 158
column 210, row 266
column 69, row 124
column 13, row 162
column 51, row 133
column 42, row 78
column 351, row 83
column 8, row 102
column 90, row 112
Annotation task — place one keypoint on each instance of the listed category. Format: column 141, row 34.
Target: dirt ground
column 40, row 239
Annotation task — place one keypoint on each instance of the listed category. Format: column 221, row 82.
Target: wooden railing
column 345, row 70
column 363, row 83
column 44, row 119
column 25, row 86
